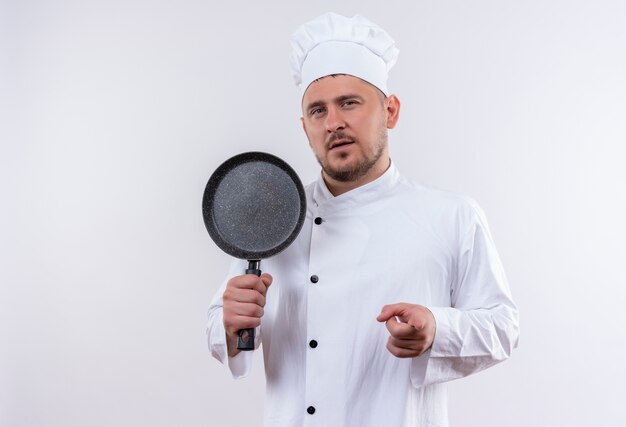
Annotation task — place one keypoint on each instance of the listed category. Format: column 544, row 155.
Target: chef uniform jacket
column 389, row 241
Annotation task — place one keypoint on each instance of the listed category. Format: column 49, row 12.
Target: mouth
column 339, row 144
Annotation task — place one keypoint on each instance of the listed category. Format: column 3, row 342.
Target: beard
column 356, row 171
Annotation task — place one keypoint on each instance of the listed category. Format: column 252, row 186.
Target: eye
column 349, row 103
column 316, row 111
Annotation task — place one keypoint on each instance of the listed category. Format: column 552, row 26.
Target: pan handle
column 245, row 341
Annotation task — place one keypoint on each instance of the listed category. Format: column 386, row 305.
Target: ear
column 392, row 104
column 304, row 129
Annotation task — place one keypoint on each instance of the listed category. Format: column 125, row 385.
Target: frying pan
column 253, row 208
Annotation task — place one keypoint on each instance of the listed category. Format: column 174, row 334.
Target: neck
column 337, row 188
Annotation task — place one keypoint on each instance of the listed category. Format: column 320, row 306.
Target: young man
column 391, row 289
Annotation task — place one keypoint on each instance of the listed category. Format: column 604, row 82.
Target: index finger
column 249, row 281
column 400, row 330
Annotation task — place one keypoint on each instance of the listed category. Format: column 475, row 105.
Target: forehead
column 328, row 88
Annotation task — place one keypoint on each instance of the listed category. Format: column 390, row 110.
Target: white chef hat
column 335, row 44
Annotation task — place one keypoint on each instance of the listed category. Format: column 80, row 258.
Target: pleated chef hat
column 335, row 44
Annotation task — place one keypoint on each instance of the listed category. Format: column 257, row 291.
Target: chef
column 391, row 289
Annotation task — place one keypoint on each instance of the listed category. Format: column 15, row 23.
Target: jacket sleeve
column 481, row 326
column 241, row 364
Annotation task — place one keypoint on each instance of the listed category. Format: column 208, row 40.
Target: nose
column 334, row 120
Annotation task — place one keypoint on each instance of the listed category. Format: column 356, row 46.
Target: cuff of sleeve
column 240, row 364
column 443, row 342
column 419, row 371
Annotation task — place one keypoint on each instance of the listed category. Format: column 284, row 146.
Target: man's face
column 346, row 122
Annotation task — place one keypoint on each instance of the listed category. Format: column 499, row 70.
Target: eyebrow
column 314, row 104
column 337, row 100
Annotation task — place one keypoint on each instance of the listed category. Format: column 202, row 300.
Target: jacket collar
column 372, row 191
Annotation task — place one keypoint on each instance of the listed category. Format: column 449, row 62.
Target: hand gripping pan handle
column 253, row 207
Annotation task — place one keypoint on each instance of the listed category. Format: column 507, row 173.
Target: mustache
column 337, row 136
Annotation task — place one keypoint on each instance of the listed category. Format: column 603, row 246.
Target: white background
column 113, row 115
